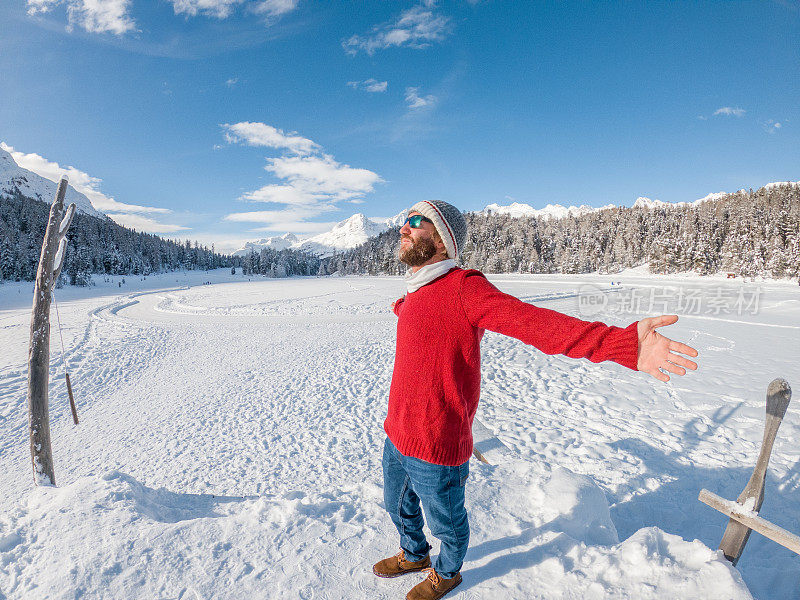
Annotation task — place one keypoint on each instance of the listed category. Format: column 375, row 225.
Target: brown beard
column 418, row 253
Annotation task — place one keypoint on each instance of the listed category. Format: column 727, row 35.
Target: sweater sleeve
column 396, row 305
column 551, row 332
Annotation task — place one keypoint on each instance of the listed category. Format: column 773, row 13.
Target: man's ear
column 440, row 247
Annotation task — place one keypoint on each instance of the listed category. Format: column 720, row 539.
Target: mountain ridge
column 14, row 178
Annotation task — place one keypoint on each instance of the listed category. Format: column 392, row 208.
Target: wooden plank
column 751, row 521
column 736, row 534
column 486, row 447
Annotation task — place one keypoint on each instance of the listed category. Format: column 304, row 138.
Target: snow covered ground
column 231, row 435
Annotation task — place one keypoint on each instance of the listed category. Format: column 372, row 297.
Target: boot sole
column 393, row 575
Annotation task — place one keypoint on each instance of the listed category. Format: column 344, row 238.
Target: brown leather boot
column 398, row 565
column 434, row 587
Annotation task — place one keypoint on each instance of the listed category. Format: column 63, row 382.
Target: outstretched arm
column 637, row 346
column 657, row 352
column 550, row 331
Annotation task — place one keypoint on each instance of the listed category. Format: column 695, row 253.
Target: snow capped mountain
column 643, row 202
column 278, row 242
column 557, row 211
column 29, row 184
column 395, row 221
column 346, row 234
column 714, row 196
column 551, row 211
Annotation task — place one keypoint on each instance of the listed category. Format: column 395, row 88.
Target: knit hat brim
column 428, row 209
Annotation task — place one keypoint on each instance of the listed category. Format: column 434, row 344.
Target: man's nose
column 405, row 229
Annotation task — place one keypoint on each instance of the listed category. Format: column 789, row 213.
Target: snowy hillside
column 29, row 184
column 551, row 211
column 346, row 234
column 230, row 442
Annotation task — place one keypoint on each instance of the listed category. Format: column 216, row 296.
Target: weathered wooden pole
column 736, row 534
column 50, row 262
column 751, row 520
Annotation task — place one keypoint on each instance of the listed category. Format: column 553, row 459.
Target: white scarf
column 428, row 273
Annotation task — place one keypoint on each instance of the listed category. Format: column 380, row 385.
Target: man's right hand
column 657, row 352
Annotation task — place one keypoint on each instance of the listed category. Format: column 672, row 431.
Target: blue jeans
column 406, row 482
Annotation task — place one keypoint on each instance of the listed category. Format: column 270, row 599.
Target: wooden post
column 751, row 520
column 736, row 534
column 50, row 262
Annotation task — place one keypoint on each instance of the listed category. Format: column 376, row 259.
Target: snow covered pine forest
column 230, row 435
column 748, row 233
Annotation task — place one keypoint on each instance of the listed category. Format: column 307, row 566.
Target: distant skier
column 436, row 384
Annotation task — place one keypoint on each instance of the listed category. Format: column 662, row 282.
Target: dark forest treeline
column 748, row 233
column 95, row 246
column 101, row 246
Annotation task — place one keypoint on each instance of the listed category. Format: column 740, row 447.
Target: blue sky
column 229, row 120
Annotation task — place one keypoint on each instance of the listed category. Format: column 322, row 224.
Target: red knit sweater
column 437, row 378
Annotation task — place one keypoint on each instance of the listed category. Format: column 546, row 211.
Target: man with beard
column 436, row 384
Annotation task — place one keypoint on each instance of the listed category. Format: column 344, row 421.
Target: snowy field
column 231, row 435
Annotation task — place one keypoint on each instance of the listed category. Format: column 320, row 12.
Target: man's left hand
column 657, row 352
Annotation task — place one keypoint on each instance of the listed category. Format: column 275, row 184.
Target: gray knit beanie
column 449, row 222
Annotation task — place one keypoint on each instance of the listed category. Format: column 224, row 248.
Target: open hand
column 658, row 352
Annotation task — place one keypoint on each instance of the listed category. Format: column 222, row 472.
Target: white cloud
column 81, row 181
column 95, row 16
column 772, row 126
column 41, row 6
column 369, row 85
column 222, row 9
column 312, row 183
column 282, row 194
column 112, row 16
column 232, row 81
column 416, row 27
column 314, row 186
column 290, row 219
column 730, row 111
column 324, row 176
column 146, row 224
column 271, row 216
column 416, row 101
column 101, row 16
column 260, row 134
column 275, row 8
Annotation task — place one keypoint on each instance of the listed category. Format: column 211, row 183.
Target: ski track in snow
column 259, row 406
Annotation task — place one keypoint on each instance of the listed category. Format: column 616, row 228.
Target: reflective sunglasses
column 415, row 222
